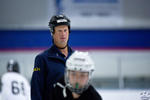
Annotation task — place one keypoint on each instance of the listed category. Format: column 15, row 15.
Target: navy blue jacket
column 48, row 69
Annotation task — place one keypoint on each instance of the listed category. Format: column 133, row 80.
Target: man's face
column 61, row 36
column 78, row 79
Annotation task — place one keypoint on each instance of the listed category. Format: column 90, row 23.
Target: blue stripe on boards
column 78, row 38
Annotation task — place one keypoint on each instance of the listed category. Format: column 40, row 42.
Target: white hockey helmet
column 79, row 61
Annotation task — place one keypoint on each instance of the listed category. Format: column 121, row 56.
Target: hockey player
column 14, row 85
column 76, row 83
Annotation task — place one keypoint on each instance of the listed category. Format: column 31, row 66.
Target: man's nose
column 63, row 33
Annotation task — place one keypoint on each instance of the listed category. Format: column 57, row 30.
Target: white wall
column 28, row 14
column 136, row 13
column 35, row 14
column 133, row 63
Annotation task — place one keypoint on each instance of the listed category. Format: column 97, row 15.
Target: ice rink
column 121, row 94
column 126, row 94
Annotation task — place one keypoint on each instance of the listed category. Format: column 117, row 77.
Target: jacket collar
column 55, row 52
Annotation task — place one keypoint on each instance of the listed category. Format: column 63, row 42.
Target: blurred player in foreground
column 75, row 85
column 14, row 85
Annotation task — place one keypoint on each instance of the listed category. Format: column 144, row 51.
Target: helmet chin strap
column 62, row 47
column 58, row 46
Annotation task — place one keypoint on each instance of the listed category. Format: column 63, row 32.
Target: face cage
column 10, row 67
column 70, row 87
